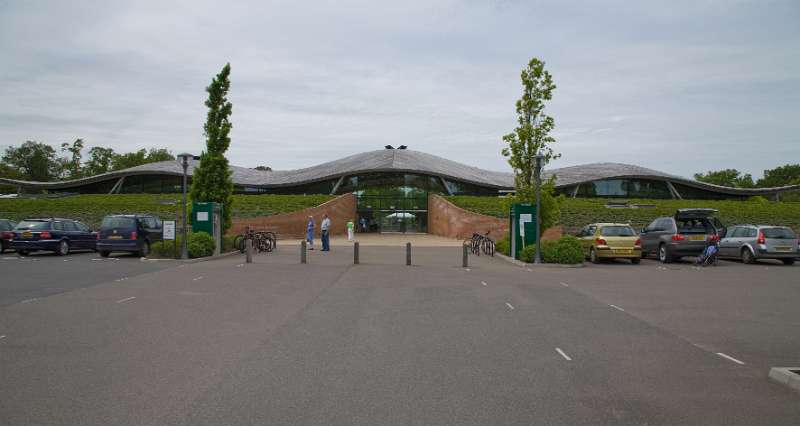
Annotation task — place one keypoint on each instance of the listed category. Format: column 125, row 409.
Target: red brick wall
column 448, row 220
column 293, row 225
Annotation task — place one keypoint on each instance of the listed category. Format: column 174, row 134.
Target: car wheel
column 104, row 253
column 145, row 249
column 747, row 256
column 63, row 248
column 644, row 254
column 788, row 261
column 22, row 252
column 593, row 256
column 663, row 254
column 636, row 260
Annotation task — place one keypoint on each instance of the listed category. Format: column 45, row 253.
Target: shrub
column 502, row 246
column 528, row 253
column 227, row 243
column 566, row 251
column 201, row 244
column 165, row 250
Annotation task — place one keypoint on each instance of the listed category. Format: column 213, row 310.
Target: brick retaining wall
column 293, row 225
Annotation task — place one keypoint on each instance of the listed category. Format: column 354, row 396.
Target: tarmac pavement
column 276, row 342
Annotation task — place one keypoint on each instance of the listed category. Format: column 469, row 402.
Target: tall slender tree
column 532, row 136
column 211, row 181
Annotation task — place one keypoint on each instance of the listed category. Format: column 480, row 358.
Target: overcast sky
column 677, row 86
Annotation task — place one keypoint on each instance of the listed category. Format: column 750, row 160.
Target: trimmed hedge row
column 566, row 250
column 577, row 212
column 90, row 209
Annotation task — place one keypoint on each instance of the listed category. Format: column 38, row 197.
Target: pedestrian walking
column 363, row 223
column 350, row 229
column 324, row 228
column 310, row 232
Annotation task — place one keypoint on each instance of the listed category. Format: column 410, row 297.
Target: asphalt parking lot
column 276, row 342
column 42, row 274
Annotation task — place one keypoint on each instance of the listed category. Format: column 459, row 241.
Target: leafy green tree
column 728, row 177
column 72, row 165
column 211, row 180
column 788, row 174
column 263, row 168
column 137, row 158
column 532, row 136
column 34, row 161
column 100, row 161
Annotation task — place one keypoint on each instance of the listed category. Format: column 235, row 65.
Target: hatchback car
column 610, row 241
column 52, row 234
column 129, row 233
column 687, row 233
column 6, row 235
column 753, row 242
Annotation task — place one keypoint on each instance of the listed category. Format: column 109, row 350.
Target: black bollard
column 465, row 256
column 408, row 254
column 248, row 250
column 355, row 253
column 303, row 251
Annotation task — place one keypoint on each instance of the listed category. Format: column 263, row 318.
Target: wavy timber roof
column 408, row 161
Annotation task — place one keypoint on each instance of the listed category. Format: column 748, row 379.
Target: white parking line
column 617, row 308
column 198, row 278
column 126, row 299
column 564, row 284
column 483, row 283
column 2, row 337
column 730, row 358
column 563, row 354
column 509, row 306
column 121, row 279
column 240, row 265
column 28, row 300
column 467, row 269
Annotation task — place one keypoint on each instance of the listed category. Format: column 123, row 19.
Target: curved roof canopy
column 404, row 160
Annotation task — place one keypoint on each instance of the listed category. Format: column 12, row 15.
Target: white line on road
column 564, row 284
column 617, row 308
column 240, row 265
column 730, row 358
column 467, row 269
column 121, row 279
column 563, row 354
column 28, row 300
column 198, row 278
column 2, row 337
column 483, row 283
column 126, row 299
column 509, row 306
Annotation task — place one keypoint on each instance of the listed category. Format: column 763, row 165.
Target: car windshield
column 118, row 222
column 617, row 231
column 33, row 225
column 779, row 233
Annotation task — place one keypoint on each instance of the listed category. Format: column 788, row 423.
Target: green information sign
column 522, row 227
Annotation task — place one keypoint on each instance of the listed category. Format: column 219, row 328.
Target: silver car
column 753, row 242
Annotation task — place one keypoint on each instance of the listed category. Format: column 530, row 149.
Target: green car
column 610, row 241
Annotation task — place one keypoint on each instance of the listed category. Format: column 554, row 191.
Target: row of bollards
column 356, row 254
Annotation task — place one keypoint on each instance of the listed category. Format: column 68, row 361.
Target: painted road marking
column 530, row 270
column 483, row 283
column 509, row 306
column 617, row 308
column 563, row 354
column 564, row 284
column 28, row 300
column 730, row 358
column 126, row 299
column 467, row 269
column 2, row 337
column 198, row 278
column 240, row 265
column 121, row 279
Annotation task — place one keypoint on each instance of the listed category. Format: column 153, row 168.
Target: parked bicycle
column 263, row 241
column 481, row 243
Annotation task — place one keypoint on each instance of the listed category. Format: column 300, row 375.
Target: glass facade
column 623, row 188
column 320, row 187
column 690, row 193
column 151, row 184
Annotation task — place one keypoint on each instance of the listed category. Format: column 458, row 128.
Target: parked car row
column 688, row 233
column 124, row 233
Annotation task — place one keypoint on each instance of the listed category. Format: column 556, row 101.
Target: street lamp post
column 538, row 174
column 184, row 244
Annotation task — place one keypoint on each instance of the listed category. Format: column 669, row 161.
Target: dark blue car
column 131, row 233
column 52, row 234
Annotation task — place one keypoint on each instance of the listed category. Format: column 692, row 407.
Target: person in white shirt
column 324, row 227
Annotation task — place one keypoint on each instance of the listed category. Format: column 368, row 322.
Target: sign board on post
column 169, row 229
column 202, row 216
column 522, row 227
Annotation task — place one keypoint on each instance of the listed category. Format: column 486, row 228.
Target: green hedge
column 201, row 244
column 565, row 251
column 90, row 209
column 577, row 212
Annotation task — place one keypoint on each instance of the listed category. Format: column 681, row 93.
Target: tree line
column 788, row 174
column 38, row 161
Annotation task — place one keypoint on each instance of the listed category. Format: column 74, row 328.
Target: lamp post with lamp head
column 185, row 163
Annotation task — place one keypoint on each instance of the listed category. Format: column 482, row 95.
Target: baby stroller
column 710, row 253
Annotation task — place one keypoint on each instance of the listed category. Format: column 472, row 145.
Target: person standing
column 363, row 223
column 324, row 228
column 310, row 232
column 350, row 229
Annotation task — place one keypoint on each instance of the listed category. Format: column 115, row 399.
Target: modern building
column 392, row 185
